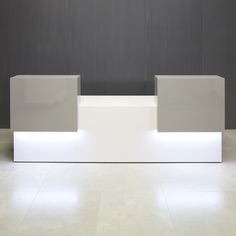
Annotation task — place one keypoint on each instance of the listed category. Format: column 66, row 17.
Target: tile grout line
column 168, row 207
column 30, row 205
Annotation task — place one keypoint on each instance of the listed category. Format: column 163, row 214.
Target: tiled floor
column 117, row 199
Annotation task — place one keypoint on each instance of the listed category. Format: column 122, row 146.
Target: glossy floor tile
column 117, row 199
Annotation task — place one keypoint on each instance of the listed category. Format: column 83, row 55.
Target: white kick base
column 117, row 129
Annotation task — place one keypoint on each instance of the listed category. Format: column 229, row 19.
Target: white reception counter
column 124, row 129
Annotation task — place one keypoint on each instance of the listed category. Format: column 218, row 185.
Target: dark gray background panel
column 231, row 88
column 4, row 64
column 174, row 38
column 40, row 37
column 118, row 45
column 82, row 42
column 217, row 49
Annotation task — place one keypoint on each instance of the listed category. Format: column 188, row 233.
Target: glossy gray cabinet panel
column 44, row 102
column 190, row 103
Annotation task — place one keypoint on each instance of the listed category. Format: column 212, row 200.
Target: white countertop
column 46, row 77
column 117, row 101
column 188, row 77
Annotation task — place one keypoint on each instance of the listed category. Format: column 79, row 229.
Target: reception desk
column 132, row 128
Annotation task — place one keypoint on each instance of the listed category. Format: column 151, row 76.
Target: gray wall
column 118, row 45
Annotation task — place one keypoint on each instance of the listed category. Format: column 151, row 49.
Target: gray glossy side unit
column 44, row 102
column 190, row 103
